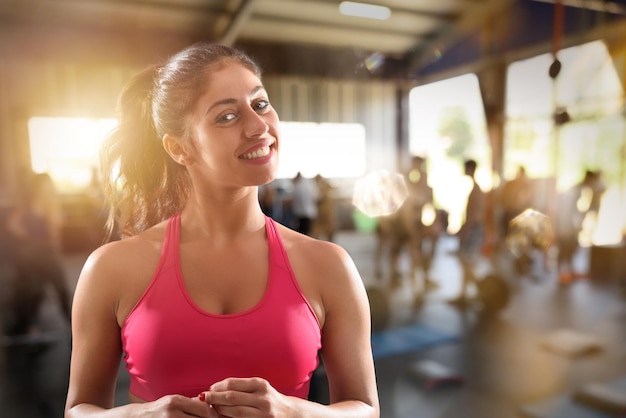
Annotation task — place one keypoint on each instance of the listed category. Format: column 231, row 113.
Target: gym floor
column 500, row 363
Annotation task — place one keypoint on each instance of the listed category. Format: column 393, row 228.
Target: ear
column 175, row 147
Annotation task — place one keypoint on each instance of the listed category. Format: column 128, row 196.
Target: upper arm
column 96, row 344
column 346, row 343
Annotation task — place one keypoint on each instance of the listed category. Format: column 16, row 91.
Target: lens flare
column 374, row 62
column 529, row 230
column 379, row 193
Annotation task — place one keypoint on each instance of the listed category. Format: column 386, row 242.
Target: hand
column 173, row 406
column 247, row 397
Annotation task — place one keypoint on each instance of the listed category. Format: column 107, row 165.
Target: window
column 588, row 88
column 447, row 125
column 68, row 148
column 334, row 150
column 592, row 136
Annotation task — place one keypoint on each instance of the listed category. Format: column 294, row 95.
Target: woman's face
column 235, row 130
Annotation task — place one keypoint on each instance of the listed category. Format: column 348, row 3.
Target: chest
column 225, row 280
column 241, row 323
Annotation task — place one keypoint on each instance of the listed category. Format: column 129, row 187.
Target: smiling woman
column 217, row 309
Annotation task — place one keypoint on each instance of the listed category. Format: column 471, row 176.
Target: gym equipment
column 494, row 293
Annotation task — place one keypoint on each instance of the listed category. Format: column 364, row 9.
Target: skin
column 221, row 225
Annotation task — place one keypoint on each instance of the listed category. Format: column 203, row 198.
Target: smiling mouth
column 261, row 152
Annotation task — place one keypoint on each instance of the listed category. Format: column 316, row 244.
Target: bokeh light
column 529, row 230
column 379, row 193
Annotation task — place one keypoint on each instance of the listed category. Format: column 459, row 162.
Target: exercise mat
column 593, row 400
column 408, row 339
column 609, row 397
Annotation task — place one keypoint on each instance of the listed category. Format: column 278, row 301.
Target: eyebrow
column 231, row 100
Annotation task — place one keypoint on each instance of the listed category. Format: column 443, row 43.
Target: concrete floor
column 502, row 360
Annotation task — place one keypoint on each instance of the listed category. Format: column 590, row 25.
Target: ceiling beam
column 239, row 19
column 595, row 5
column 473, row 18
column 611, row 33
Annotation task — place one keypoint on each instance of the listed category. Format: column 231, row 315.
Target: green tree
column 454, row 124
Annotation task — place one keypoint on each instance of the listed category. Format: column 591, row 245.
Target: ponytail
column 142, row 183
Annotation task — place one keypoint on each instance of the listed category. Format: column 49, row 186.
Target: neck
column 226, row 215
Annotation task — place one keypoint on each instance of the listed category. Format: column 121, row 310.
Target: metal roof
column 420, row 36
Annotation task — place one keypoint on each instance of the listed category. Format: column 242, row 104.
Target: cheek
column 275, row 116
column 205, row 146
column 193, row 150
column 274, row 124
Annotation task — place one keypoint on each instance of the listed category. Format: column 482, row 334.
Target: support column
column 402, row 128
column 492, row 81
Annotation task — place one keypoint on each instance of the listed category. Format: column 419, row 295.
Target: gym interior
column 538, row 84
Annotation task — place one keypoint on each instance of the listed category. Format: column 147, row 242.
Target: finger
column 213, row 412
column 190, row 406
column 202, row 397
column 236, row 412
column 232, row 398
column 249, row 384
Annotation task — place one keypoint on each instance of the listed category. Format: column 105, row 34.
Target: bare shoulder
column 318, row 254
column 127, row 254
column 117, row 273
column 326, row 273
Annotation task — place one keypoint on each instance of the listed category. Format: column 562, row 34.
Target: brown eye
column 226, row 117
column 261, row 105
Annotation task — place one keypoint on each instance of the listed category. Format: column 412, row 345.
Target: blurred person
column 325, row 222
column 597, row 187
column 394, row 233
column 427, row 220
column 405, row 229
column 218, row 310
column 517, row 196
column 569, row 217
column 304, row 195
column 594, row 188
column 34, row 228
column 282, row 202
column 471, row 234
column 37, row 301
column 37, row 216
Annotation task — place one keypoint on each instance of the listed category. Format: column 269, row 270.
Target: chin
column 268, row 179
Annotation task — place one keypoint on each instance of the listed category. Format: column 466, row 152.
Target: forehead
column 229, row 73
column 226, row 82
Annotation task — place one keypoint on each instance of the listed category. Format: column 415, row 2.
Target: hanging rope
column 557, row 37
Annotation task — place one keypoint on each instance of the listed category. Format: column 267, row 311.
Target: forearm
column 343, row 409
column 167, row 406
column 85, row 410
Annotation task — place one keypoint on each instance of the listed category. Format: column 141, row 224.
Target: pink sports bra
column 171, row 346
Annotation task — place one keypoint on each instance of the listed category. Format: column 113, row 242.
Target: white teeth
column 261, row 152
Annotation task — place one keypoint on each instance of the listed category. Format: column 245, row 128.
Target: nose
column 254, row 124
